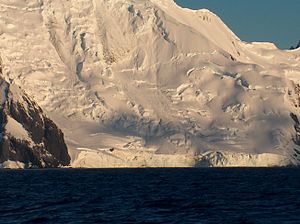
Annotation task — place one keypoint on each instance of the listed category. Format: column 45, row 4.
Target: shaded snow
column 233, row 159
column 16, row 129
column 149, row 75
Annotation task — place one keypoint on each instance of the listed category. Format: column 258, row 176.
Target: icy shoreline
column 149, row 84
column 103, row 159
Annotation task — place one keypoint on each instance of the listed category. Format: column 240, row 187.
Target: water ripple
column 234, row 196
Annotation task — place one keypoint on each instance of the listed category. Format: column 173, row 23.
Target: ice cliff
column 148, row 83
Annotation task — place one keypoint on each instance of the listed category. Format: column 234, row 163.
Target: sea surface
column 231, row 196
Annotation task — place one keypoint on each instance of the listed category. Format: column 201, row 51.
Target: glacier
column 150, row 84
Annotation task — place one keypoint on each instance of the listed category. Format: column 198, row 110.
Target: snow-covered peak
column 145, row 77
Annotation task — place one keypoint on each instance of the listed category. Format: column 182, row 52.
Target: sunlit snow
column 147, row 83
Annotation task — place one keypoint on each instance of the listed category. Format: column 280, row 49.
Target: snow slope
column 27, row 137
column 147, row 83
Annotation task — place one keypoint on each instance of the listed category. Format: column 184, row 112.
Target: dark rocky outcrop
column 296, row 47
column 27, row 135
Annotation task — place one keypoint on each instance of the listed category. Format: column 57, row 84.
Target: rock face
column 27, row 135
column 148, row 83
column 296, row 47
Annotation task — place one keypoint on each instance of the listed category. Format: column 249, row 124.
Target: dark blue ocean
column 243, row 196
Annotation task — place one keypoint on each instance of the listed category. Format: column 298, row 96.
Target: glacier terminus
column 146, row 83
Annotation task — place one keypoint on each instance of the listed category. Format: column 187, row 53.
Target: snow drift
column 133, row 80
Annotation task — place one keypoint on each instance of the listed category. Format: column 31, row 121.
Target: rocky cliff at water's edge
column 145, row 84
column 28, row 137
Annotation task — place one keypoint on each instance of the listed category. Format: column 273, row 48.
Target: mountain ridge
column 28, row 139
column 148, row 79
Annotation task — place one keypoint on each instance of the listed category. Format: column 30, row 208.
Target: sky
column 276, row 21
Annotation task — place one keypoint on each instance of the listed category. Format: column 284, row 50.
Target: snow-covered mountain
column 28, row 137
column 146, row 83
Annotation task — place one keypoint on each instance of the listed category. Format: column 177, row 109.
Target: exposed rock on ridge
column 27, row 135
column 133, row 80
